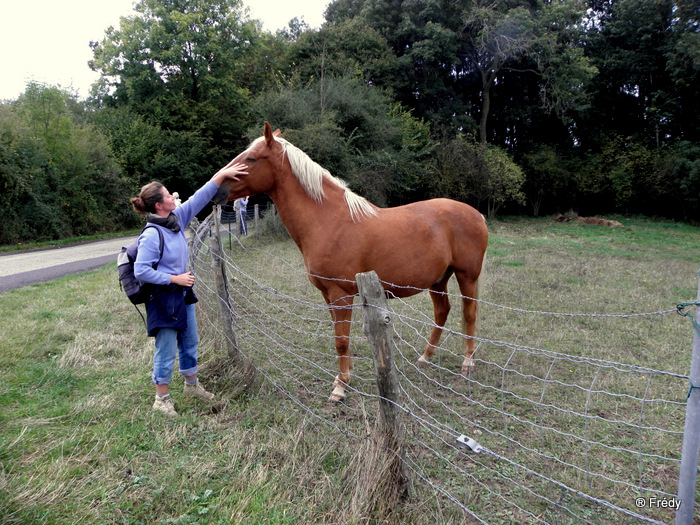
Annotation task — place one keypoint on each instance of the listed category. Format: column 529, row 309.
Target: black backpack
column 136, row 292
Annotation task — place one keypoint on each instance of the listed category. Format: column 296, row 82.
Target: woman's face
column 168, row 204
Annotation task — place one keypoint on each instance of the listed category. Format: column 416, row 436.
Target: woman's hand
column 184, row 279
column 230, row 171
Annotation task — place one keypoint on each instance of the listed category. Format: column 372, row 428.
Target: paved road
column 36, row 266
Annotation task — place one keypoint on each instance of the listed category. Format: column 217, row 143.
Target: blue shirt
column 175, row 250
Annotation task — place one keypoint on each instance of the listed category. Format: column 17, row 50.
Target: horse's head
column 263, row 157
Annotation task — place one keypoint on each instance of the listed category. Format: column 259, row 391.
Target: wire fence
column 532, row 435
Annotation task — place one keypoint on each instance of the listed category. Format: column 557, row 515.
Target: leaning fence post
column 222, row 293
column 377, row 328
column 691, row 433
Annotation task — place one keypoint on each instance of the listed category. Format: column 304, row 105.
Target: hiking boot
column 165, row 404
column 197, row 390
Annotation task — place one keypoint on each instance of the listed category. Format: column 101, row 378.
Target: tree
column 452, row 54
column 180, row 66
column 501, row 35
column 355, row 132
column 479, row 174
column 346, row 49
column 648, row 88
column 45, row 110
column 495, row 39
column 547, row 178
column 57, row 173
column 431, row 77
column 190, row 47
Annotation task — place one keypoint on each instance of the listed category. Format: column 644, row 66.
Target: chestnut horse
column 340, row 234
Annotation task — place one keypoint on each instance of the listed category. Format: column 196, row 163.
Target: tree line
column 514, row 106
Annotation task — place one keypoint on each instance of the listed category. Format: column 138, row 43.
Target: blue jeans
column 244, row 226
column 169, row 342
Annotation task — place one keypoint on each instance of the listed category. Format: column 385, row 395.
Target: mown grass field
column 79, row 443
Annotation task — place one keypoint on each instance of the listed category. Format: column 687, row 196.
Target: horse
column 413, row 247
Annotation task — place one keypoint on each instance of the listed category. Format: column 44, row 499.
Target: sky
column 48, row 41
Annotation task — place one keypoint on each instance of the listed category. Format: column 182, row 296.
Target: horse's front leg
column 341, row 312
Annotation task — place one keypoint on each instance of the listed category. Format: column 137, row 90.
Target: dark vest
column 165, row 308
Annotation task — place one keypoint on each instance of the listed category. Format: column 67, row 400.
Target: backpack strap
column 162, row 241
column 162, row 244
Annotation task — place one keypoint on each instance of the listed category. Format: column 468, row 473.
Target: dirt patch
column 588, row 220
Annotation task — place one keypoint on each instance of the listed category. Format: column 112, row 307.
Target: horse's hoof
column 422, row 361
column 467, row 368
column 338, row 395
column 336, row 399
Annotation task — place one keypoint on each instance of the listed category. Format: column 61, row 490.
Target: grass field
column 79, row 443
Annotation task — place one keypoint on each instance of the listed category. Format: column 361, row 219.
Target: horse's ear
column 277, row 133
column 267, row 133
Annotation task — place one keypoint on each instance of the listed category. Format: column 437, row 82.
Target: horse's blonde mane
column 311, row 175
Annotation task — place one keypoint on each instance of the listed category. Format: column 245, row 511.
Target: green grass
column 79, row 443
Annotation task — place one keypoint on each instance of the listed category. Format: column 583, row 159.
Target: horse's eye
column 250, row 159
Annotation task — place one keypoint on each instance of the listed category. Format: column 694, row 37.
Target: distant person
column 170, row 309
column 242, row 214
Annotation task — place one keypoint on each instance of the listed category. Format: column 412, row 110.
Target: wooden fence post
column 377, row 328
column 222, row 293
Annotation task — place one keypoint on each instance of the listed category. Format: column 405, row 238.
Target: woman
column 170, row 308
column 243, row 214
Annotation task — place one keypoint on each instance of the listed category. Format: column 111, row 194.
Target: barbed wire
column 551, row 441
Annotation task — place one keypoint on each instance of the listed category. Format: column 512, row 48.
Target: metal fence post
column 691, row 433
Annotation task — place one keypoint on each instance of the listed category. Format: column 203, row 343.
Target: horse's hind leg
column 469, row 289
column 441, row 308
column 341, row 312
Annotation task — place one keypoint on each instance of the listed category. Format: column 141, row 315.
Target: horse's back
column 444, row 217
column 414, row 244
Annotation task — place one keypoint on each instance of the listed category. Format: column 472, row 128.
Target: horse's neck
column 304, row 217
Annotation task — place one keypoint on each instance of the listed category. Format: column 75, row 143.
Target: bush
column 271, row 225
column 355, row 132
column 483, row 175
column 58, row 176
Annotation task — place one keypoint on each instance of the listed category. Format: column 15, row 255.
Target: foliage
column 504, row 181
column 354, row 131
column 479, row 174
column 58, row 176
column 681, row 165
column 546, row 178
column 647, row 88
column 179, row 70
column 345, row 49
column 146, row 152
column 596, row 101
